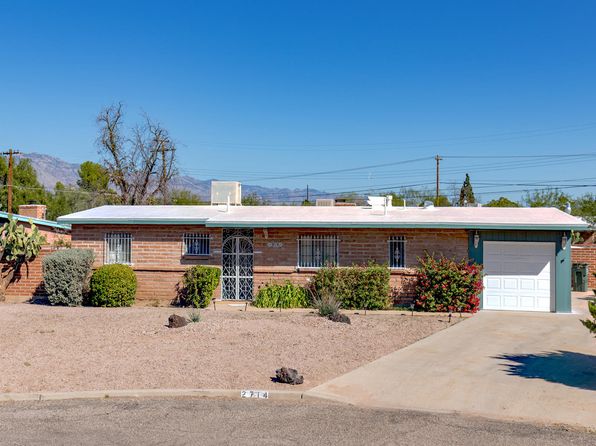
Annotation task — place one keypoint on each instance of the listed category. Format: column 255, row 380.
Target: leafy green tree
column 547, row 198
column 66, row 200
column 19, row 247
column 417, row 197
column 306, row 203
column 184, row 197
column 93, row 177
column 585, row 207
column 502, row 202
column 26, row 188
column 253, row 199
column 466, row 193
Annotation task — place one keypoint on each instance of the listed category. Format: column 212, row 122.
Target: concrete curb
column 280, row 395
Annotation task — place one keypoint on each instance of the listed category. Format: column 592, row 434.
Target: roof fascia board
column 479, row 226
column 133, row 221
column 35, row 221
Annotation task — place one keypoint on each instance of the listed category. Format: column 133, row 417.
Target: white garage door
column 519, row 276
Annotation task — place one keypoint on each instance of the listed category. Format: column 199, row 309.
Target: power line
column 421, row 143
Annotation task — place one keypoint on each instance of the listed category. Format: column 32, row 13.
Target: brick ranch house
column 525, row 252
column 28, row 282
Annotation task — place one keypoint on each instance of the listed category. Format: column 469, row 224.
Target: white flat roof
column 332, row 217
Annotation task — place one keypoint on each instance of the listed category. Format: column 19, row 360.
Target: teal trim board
column 562, row 257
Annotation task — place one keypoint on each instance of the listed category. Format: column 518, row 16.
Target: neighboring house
column 584, row 251
column 525, row 251
column 28, row 282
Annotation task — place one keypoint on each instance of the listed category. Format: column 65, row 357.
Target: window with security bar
column 318, row 251
column 118, row 248
column 397, row 252
column 195, row 244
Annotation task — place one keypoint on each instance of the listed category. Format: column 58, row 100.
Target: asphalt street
column 187, row 421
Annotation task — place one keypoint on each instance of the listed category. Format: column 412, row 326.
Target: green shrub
column 591, row 324
column 356, row 287
column 446, row 285
column 113, row 286
column 198, row 286
column 287, row 295
column 66, row 275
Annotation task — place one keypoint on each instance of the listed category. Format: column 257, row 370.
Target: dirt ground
column 45, row 348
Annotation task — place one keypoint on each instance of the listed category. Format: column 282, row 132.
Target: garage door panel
column 518, row 276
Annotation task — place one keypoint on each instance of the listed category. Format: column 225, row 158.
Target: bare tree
column 140, row 166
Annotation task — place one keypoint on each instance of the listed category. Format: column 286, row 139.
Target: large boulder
column 175, row 321
column 288, row 376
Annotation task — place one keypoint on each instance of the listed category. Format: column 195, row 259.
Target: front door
column 237, row 263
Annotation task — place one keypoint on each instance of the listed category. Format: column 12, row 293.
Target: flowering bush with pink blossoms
column 447, row 285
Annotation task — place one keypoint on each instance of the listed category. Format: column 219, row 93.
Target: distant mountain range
column 51, row 169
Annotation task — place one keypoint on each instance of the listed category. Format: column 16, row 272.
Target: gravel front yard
column 46, row 348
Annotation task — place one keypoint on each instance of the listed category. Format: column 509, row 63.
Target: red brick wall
column 158, row 263
column 585, row 252
column 156, row 254
column 28, row 282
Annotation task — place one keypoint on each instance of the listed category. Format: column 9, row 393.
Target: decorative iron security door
column 237, row 263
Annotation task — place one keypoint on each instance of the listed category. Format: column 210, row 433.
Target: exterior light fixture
column 476, row 239
column 564, row 241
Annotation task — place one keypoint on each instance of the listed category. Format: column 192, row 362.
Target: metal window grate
column 397, row 251
column 195, row 244
column 118, row 248
column 318, row 251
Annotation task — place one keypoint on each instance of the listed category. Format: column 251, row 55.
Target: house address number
column 261, row 394
column 274, row 244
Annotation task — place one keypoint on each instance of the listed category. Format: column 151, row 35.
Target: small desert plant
column 194, row 316
column 198, row 286
column 326, row 304
column 287, row 295
column 113, row 286
column 66, row 275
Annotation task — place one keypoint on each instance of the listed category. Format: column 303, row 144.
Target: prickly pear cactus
column 18, row 246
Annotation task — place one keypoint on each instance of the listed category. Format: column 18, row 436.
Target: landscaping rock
column 175, row 321
column 288, row 376
column 339, row 317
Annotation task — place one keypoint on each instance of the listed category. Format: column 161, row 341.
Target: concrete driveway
column 537, row 367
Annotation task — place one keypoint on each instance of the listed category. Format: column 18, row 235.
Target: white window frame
column 397, row 242
column 308, row 243
column 112, row 240
column 202, row 240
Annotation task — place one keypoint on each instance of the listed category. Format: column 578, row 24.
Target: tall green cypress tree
column 466, row 193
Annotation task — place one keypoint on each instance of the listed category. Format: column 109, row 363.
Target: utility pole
column 10, row 153
column 438, row 190
column 307, row 194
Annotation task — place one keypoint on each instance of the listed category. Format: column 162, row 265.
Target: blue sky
column 257, row 89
